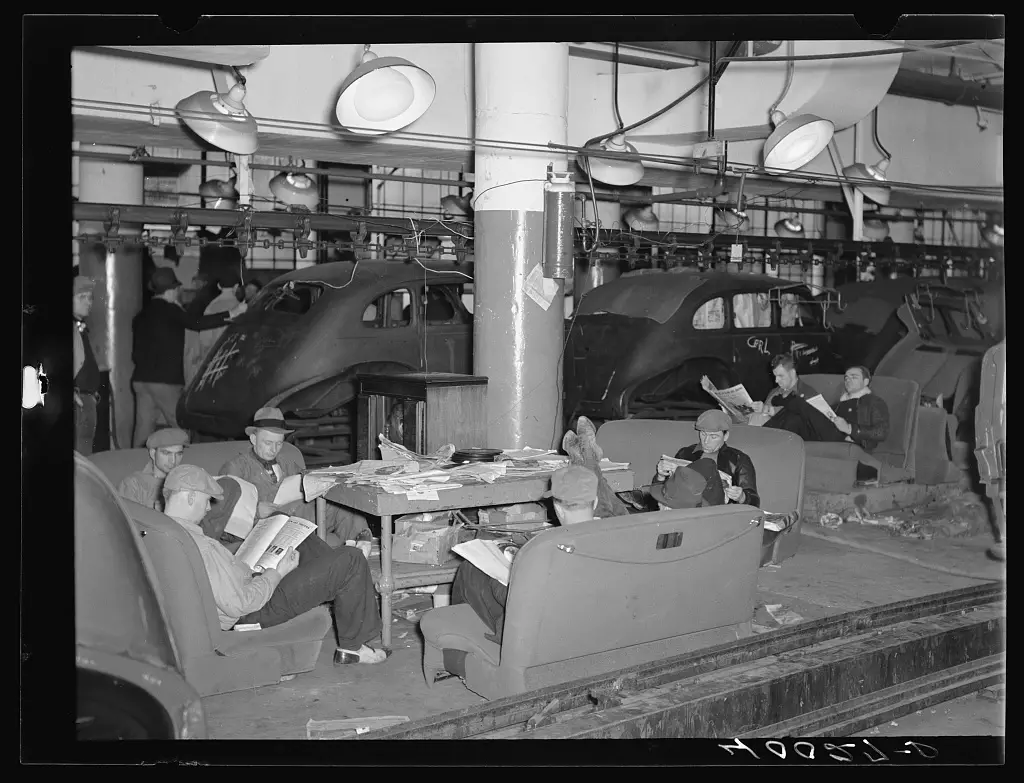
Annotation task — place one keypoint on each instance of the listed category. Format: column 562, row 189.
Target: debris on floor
column 349, row 727
column 830, row 520
column 783, row 616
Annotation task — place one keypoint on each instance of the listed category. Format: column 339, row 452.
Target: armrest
column 833, row 450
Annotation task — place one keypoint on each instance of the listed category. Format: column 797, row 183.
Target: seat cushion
column 459, row 628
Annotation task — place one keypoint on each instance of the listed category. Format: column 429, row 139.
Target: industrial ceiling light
column 221, row 119
column 610, row 171
column 877, row 193
column 790, row 228
column 992, row 233
column 875, row 229
column 221, row 193
column 641, row 218
column 796, row 141
column 295, row 190
column 383, row 94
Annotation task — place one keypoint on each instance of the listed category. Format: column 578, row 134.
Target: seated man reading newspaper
column 263, row 582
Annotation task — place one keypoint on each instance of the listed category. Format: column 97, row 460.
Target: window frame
column 726, row 313
column 378, row 321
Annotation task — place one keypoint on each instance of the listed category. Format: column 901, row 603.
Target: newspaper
column 818, row 402
column 735, row 400
column 313, row 486
column 264, row 547
column 668, row 465
column 494, row 558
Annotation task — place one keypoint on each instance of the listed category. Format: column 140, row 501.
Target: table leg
column 385, row 585
column 321, row 517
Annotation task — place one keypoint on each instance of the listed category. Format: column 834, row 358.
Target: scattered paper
column 313, row 486
column 526, row 454
column 323, row 729
column 540, row 289
column 830, row 520
column 817, row 401
column 247, row 627
column 783, row 617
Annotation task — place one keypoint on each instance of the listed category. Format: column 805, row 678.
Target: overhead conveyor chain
column 831, row 677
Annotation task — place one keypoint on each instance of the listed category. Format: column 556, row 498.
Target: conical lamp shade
column 858, row 171
column 796, row 141
column 295, row 190
column 642, row 219
column 615, row 172
column 221, row 193
column 993, row 235
column 876, row 229
column 221, row 119
column 790, row 228
column 383, row 94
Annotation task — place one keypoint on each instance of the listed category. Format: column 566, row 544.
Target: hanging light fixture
column 790, row 228
column 383, row 94
column 295, row 190
column 875, row 230
column 610, row 171
column 222, row 193
column 221, row 119
column 992, row 232
column 641, row 218
column 877, row 193
column 795, row 141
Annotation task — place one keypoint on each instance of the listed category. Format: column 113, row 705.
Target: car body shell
column 635, row 338
column 123, row 638
column 306, row 334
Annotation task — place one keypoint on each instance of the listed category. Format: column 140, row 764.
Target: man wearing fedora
column 87, row 371
column 158, row 348
column 713, row 430
column 279, row 480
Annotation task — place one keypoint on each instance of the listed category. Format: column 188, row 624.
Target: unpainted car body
column 309, row 332
column 639, row 345
column 129, row 678
column 990, row 430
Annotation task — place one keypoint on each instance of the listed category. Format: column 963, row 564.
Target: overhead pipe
column 711, row 92
column 946, row 89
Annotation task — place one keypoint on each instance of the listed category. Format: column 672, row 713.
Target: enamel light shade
column 859, row 171
column 789, row 227
column 610, row 171
column 295, row 190
column 221, row 119
column 796, row 141
column 383, row 94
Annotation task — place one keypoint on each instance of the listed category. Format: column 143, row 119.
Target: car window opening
column 293, row 298
column 390, row 310
column 751, row 310
column 710, row 315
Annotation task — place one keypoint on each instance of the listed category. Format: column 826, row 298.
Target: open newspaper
column 493, row 557
column 270, row 538
column 671, row 463
column 735, row 400
column 818, row 402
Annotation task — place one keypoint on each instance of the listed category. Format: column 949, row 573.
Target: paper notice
column 736, row 253
column 540, row 289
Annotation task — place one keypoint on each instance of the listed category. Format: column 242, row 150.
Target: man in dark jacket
column 863, row 417
column 713, row 430
column 87, row 371
column 159, row 345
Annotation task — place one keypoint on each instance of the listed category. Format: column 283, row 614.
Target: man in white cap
column 279, row 480
column 339, row 576
column 166, row 448
column 713, row 431
column 87, row 372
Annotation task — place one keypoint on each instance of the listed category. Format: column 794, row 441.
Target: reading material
column 818, row 402
column 264, row 547
column 494, row 558
column 735, row 400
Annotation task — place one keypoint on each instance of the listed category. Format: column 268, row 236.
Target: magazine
column 264, row 547
column 818, row 402
column 673, row 463
column 735, row 400
column 493, row 557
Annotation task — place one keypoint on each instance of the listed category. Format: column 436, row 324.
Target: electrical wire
column 615, row 86
column 847, row 55
column 476, row 198
column 790, row 67
column 874, row 131
column 440, row 271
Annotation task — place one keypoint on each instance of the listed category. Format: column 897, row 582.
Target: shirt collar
column 267, row 464
column 191, row 527
column 856, row 395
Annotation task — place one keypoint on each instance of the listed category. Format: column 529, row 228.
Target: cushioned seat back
column 778, row 456
column 183, row 581
column 606, row 585
column 902, row 398
column 208, row 456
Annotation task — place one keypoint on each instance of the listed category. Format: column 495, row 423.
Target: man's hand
column 264, row 509
column 665, row 468
column 289, row 562
column 234, row 312
column 736, row 494
column 843, row 425
column 758, row 407
column 364, row 547
column 78, row 400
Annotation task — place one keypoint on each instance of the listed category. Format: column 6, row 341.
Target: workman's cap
column 712, row 421
column 685, row 488
column 573, row 486
column 168, row 436
column 186, row 478
column 83, row 284
column 270, row 419
column 163, row 279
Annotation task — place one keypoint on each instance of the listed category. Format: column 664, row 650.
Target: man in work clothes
column 159, row 346
column 166, row 448
column 713, row 431
column 87, row 372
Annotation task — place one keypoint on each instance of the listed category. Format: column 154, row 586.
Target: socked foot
column 364, row 654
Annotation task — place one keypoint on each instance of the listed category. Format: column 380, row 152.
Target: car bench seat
column 833, row 466
column 591, row 598
column 778, row 458
column 214, row 661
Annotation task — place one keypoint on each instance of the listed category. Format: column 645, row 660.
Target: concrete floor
column 824, row 578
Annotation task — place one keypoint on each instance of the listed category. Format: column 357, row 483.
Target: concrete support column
column 521, row 95
column 118, row 275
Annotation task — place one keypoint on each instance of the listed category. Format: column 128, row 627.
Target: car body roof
column 370, row 275
column 659, row 295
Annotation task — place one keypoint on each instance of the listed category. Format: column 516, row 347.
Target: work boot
column 587, row 433
column 997, row 552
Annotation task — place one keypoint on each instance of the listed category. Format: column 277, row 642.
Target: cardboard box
column 427, row 543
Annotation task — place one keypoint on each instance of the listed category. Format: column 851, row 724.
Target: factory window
column 751, row 311
column 294, row 299
column 389, row 310
column 710, row 315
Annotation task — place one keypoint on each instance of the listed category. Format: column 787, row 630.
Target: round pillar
column 118, row 275
column 521, row 95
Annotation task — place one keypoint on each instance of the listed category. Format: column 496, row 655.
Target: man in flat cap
column 574, row 496
column 322, row 575
column 713, row 430
column 279, row 480
column 87, row 372
column 158, row 348
column 166, row 448
column 694, row 486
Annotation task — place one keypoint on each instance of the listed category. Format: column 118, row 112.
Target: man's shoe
column 363, row 655
column 997, row 552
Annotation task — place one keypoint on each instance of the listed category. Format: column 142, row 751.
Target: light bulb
column 383, row 94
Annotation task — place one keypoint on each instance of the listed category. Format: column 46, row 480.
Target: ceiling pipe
column 945, row 89
column 711, row 92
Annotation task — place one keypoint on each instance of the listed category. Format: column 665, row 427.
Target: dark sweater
column 868, row 417
column 158, row 347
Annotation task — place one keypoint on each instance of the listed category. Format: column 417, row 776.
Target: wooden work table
column 472, row 494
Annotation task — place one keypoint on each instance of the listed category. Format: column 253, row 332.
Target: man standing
column 198, row 344
column 87, row 372
column 279, row 480
column 159, row 346
column 574, row 496
column 713, row 430
column 340, row 576
column 166, row 448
